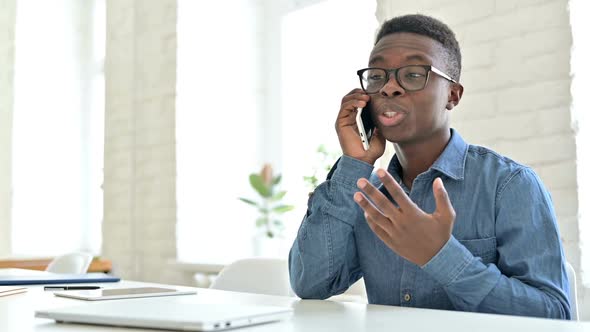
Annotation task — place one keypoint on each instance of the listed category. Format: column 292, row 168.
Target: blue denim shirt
column 504, row 255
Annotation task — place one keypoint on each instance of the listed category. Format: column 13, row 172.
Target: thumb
column 444, row 209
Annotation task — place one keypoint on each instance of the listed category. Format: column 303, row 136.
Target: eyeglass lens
column 410, row 78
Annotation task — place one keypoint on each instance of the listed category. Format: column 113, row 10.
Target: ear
column 455, row 94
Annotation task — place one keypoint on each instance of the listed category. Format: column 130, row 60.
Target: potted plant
column 269, row 203
column 323, row 164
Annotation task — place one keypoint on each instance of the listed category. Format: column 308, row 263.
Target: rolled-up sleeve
column 529, row 278
column 323, row 260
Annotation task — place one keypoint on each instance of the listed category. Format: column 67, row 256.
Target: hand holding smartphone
column 365, row 125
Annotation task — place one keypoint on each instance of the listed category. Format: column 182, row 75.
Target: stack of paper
column 9, row 290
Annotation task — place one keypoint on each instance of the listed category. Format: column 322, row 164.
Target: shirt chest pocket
column 482, row 248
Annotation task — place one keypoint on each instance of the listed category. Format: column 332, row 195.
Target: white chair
column 268, row 276
column 571, row 277
column 73, row 263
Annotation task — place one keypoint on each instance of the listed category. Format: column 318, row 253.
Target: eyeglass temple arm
column 440, row 73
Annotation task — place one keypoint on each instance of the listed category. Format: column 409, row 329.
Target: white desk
column 17, row 314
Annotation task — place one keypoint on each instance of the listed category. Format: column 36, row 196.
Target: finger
column 355, row 90
column 444, row 208
column 396, row 191
column 354, row 104
column 381, row 233
column 372, row 213
column 355, row 94
column 350, row 107
column 347, row 115
column 377, row 197
column 366, row 204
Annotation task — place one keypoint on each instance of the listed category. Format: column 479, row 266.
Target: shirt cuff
column 449, row 262
column 349, row 170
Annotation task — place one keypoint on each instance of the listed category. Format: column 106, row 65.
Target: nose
column 392, row 88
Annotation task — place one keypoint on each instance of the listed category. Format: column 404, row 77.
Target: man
column 448, row 225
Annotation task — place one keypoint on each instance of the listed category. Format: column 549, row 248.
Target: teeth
column 390, row 114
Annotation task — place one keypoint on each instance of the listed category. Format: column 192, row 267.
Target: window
column 58, row 127
column 320, row 58
column 217, row 129
column 250, row 95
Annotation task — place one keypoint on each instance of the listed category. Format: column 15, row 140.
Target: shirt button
column 407, row 297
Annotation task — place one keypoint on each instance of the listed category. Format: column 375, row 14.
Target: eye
column 414, row 75
column 376, row 77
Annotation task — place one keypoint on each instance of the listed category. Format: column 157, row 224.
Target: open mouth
column 391, row 118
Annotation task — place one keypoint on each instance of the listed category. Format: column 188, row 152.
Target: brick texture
column 516, row 57
column 7, row 28
column 139, row 228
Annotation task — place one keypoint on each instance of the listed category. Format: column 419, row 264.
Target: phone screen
column 368, row 123
column 365, row 125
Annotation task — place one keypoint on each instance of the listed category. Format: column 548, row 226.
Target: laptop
column 165, row 313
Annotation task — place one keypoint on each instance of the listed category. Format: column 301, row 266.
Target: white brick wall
column 516, row 73
column 7, row 25
column 516, row 57
column 139, row 228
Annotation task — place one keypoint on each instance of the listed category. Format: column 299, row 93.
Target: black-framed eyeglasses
column 410, row 78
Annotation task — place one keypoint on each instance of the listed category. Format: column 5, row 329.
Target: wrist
column 351, row 169
column 366, row 160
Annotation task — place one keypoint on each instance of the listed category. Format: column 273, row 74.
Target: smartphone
column 122, row 293
column 365, row 125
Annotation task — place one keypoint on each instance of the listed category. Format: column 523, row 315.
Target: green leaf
column 276, row 179
column 248, row 201
column 260, row 222
column 258, row 185
column 278, row 196
column 278, row 224
column 282, row 208
column 311, row 180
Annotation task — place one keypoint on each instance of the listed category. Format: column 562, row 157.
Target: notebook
column 10, row 277
column 167, row 313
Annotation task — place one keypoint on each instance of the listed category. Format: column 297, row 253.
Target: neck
column 417, row 157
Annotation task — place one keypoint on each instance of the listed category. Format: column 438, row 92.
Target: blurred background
column 129, row 129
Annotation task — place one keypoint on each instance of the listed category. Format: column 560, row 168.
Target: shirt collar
column 451, row 161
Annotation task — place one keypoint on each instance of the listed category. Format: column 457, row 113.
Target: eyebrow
column 413, row 57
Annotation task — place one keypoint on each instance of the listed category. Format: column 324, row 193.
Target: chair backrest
column 268, row 276
column 571, row 276
column 73, row 263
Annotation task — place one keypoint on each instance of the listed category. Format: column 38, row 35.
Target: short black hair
column 429, row 27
